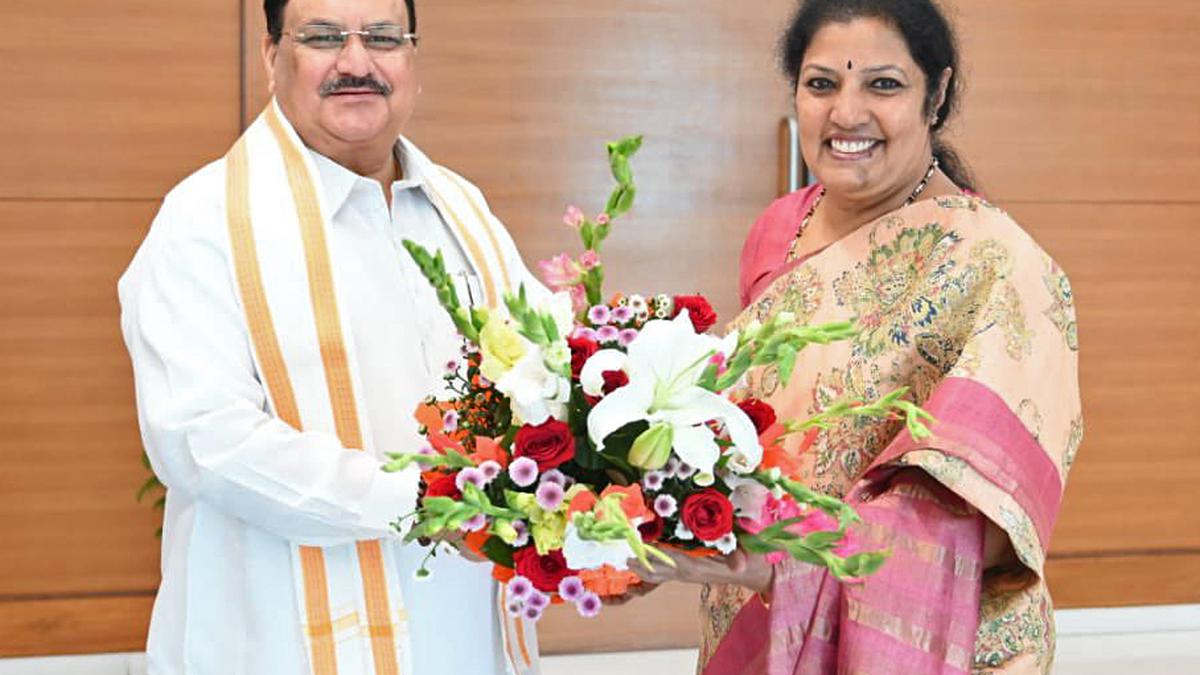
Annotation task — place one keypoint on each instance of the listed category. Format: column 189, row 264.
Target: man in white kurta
column 248, row 492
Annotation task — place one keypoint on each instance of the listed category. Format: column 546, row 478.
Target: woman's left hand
column 738, row 568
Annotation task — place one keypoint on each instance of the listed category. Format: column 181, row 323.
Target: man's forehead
column 346, row 11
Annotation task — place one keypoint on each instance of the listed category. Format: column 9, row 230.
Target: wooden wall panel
column 1135, row 279
column 75, row 625
column 1082, row 100
column 117, row 99
column 70, row 448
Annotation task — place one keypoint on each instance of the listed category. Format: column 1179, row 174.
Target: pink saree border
column 975, row 425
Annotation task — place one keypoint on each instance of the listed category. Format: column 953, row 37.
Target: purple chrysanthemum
column 522, row 533
column 627, row 336
column 571, row 589
column 450, row 421
column 555, row 476
column 427, row 451
column 473, row 476
column 588, row 605
column 685, row 470
column 474, row 524
column 607, row 334
column 532, row 613
column 665, row 506
column 523, row 471
column 549, row 495
column 537, row 600
column 519, row 587
column 599, row 315
column 452, row 366
column 585, row 333
column 490, row 469
column 514, row 608
column 622, row 314
column 653, row 480
column 672, row 467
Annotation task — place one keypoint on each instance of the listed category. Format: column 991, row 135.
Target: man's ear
column 270, row 51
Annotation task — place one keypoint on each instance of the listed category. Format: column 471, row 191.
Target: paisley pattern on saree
column 1016, row 620
column 1074, row 440
column 1061, row 311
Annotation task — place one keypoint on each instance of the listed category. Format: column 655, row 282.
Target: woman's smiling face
column 861, row 103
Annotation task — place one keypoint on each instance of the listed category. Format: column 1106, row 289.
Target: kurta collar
column 337, row 182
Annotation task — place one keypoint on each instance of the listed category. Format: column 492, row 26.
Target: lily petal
column 592, row 375
column 627, row 404
column 697, row 446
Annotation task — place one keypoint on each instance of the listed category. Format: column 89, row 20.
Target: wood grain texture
column 74, row 625
column 1125, row 581
column 1082, row 100
column 69, row 454
column 1133, row 272
column 114, row 100
column 668, row 618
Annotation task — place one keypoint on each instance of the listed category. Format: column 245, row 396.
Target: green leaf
column 498, row 552
column 150, row 484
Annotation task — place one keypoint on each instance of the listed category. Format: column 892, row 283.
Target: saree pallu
column 956, row 302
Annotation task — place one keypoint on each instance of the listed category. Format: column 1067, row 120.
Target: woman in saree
column 954, row 301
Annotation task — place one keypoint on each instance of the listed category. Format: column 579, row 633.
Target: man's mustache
column 352, row 82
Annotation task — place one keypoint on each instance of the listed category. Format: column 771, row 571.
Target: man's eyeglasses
column 380, row 38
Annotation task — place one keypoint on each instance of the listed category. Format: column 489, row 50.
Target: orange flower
column 608, row 581
column 503, row 574
column 583, row 501
column 776, row 456
column 429, row 415
column 632, row 501
column 488, row 449
column 442, row 443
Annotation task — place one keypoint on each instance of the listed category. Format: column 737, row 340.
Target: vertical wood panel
column 114, row 100
column 70, row 449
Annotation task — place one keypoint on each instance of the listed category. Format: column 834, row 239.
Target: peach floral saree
column 959, row 304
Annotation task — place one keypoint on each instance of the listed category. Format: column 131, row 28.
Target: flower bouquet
column 581, row 432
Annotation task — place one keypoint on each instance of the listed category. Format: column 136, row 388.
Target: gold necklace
column 791, row 256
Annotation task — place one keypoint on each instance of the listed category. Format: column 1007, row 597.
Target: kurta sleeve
column 203, row 410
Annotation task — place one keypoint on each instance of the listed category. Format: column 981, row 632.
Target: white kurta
column 244, row 486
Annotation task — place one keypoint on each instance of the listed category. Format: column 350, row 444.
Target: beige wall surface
column 1082, row 118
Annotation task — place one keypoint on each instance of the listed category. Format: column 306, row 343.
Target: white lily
column 587, row 554
column 535, row 392
column 664, row 364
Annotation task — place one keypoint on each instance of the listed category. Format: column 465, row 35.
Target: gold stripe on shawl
column 320, row 286
column 316, row 600
column 279, row 385
column 483, row 221
column 338, row 381
column 473, row 251
column 254, row 298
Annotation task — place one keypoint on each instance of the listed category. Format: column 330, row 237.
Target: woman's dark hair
column 274, row 12
column 929, row 38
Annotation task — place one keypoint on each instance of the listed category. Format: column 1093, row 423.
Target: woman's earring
column 934, row 121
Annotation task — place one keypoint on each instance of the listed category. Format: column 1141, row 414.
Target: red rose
column 543, row 571
column 613, row 380
column 581, row 350
column 652, row 530
column 443, row 487
column 549, row 444
column 759, row 412
column 708, row 514
column 699, row 311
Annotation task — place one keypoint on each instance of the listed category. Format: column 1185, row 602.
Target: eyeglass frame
column 297, row 36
